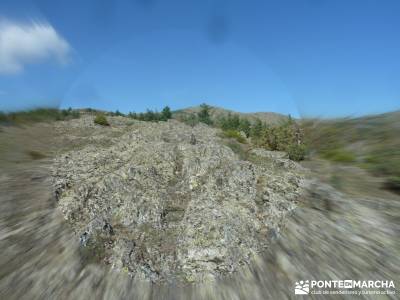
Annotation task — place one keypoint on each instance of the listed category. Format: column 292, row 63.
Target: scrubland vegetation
column 371, row 142
column 285, row 136
column 152, row 116
column 38, row 115
column 101, row 119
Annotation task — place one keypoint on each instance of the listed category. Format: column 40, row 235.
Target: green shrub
column 339, row 155
column 282, row 136
column 101, row 119
column 234, row 134
column 296, row 152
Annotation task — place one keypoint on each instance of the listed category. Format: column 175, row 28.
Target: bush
column 280, row 137
column 296, row 152
column 234, row 134
column 339, row 155
column 101, row 119
column 286, row 136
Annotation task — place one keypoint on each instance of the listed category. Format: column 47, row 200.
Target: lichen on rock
column 166, row 201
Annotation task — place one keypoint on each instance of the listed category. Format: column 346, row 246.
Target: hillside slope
column 349, row 231
column 371, row 142
column 215, row 112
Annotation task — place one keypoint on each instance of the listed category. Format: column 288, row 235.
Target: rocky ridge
column 166, row 201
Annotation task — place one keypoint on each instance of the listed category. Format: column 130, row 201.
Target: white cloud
column 22, row 44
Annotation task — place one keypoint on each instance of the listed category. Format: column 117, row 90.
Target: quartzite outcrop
column 165, row 201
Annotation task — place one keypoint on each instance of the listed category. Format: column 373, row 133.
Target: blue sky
column 300, row 57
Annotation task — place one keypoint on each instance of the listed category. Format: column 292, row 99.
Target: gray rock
column 269, row 154
column 170, row 201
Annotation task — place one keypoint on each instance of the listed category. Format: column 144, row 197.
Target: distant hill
column 267, row 117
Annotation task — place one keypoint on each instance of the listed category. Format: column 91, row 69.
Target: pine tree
column 166, row 114
column 118, row 113
column 204, row 114
column 132, row 115
column 256, row 129
column 245, row 126
column 149, row 115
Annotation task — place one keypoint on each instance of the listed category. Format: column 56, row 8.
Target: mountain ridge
column 270, row 118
